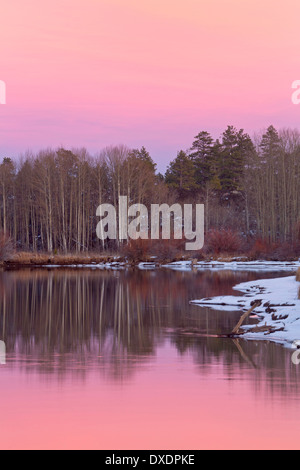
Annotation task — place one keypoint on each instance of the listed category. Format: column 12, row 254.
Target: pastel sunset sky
column 152, row 72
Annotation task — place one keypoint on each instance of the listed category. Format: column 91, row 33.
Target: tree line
column 48, row 200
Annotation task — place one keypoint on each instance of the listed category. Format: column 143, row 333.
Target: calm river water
column 121, row 360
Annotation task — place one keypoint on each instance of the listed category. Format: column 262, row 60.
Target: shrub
column 167, row 250
column 141, row 250
column 223, row 241
column 136, row 250
column 286, row 251
column 261, row 249
column 6, row 247
column 274, row 251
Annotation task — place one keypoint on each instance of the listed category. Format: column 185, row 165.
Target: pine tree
column 180, row 175
column 215, row 183
column 202, row 155
column 145, row 157
column 232, row 158
column 270, row 143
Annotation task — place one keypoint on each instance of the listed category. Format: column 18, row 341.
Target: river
column 119, row 359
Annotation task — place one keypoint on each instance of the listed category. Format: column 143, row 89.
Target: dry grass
column 30, row 259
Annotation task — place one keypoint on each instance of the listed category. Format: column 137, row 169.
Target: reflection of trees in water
column 268, row 363
column 59, row 310
column 70, row 320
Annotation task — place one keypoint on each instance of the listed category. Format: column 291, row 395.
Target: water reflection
column 70, row 321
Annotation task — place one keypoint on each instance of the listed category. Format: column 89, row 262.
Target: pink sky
column 153, row 72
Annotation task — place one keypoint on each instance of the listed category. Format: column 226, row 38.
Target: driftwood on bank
column 255, row 304
column 266, row 329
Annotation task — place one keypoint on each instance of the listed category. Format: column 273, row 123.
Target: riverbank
column 278, row 314
column 235, row 264
column 29, row 259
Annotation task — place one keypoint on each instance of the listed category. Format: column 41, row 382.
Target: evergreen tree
column 145, row 157
column 235, row 146
column 202, row 155
column 270, row 143
column 215, row 183
column 180, row 175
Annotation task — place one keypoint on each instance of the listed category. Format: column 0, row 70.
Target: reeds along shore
column 38, row 259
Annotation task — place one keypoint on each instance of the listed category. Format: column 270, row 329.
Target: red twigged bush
column 261, row 248
column 143, row 250
column 274, row 251
column 6, row 247
column 223, row 241
column 286, row 251
column 136, row 250
column 168, row 250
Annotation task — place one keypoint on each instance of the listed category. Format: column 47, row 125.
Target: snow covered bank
column 279, row 311
column 110, row 265
column 264, row 266
column 235, row 265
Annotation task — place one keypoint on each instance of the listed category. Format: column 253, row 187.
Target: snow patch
column 264, row 266
column 280, row 307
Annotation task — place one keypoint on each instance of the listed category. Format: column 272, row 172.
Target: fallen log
column 235, row 330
